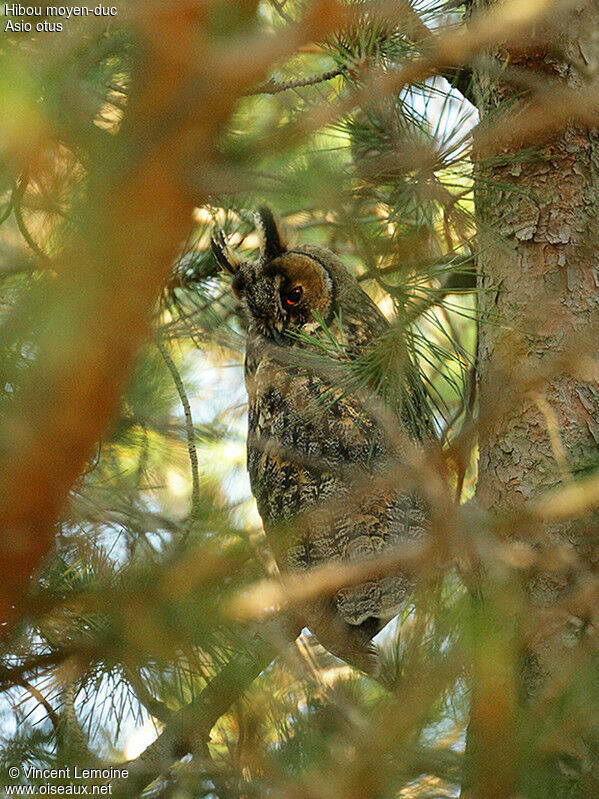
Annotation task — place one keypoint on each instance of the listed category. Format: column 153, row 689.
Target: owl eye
column 292, row 296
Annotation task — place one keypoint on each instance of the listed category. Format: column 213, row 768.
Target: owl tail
column 350, row 642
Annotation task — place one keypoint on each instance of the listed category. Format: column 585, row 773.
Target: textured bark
column 539, row 298
column 538, row 210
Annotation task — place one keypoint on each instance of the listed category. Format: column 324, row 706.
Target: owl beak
column 275, row 333
column 222, row 253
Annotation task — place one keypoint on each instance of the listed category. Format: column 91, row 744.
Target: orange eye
column 293, row 295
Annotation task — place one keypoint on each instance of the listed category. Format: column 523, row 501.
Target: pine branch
column 274, row 87
column 8, row 210
column 460, row 78
column 190, row 432
column 188, row 729
column 155, row 707
column 461, row 280
column 38, row 695
column 18, row 195
column 19, row 262
column 74, row 741
column 449, row 49
column 35, row 664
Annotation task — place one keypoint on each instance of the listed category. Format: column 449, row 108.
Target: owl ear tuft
column 223, row 254
column 272, row 239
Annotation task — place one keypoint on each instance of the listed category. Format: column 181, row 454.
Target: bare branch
column 273, row 87
column 17, row 200
column 190, row 432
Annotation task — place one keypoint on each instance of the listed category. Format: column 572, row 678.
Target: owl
column 316, row 444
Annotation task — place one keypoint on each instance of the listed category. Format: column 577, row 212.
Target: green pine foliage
column 131, row 616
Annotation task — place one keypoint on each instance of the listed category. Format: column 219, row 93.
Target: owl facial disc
column 285, row 289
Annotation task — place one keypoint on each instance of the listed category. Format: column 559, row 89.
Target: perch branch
column 189, row 727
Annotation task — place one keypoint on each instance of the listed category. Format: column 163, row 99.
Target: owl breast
column 313, row 450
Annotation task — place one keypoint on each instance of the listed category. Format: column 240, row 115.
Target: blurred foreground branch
column 188, row 729
column 98, row 308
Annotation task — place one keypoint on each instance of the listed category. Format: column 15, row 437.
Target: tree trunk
column 537, row 207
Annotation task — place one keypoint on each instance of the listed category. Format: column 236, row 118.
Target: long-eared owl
column 315, row 447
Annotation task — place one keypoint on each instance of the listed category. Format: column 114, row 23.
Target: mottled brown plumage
column 313, row 446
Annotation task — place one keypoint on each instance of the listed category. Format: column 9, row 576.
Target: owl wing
column 312, row 451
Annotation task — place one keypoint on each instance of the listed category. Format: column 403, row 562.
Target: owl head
column 294, row 288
